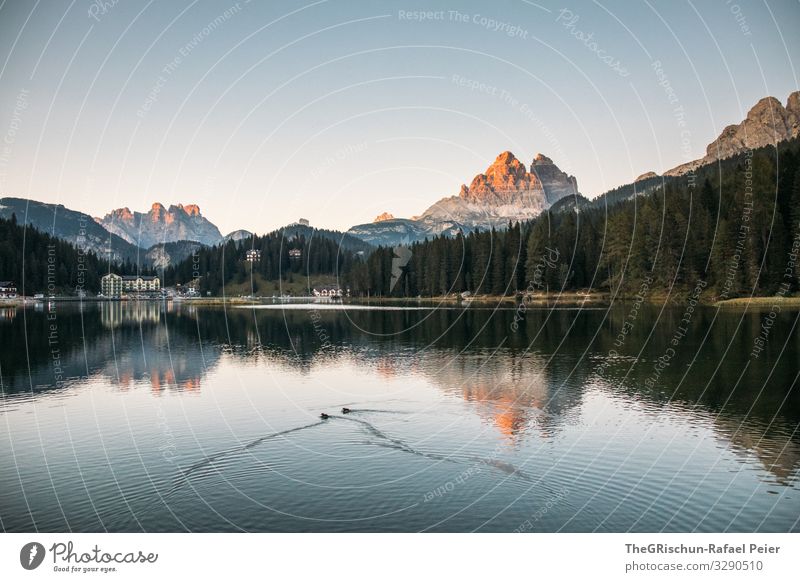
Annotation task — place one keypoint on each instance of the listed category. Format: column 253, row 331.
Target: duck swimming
column 324, row 416
column 346, row 410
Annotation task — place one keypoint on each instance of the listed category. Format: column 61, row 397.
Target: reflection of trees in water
column 126, row 342
column 528, row 380
column 772, row 446
column 722, row 379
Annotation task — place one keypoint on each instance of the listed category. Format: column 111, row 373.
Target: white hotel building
column 113, row 285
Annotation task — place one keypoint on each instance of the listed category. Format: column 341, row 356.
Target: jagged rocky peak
column 556, row 184
column 383, row 216
column 160, row 225
column 190, row 209
column 504, row 177
column 508, row 176
column 767, row 123
column 123, row 213
column 507, row 191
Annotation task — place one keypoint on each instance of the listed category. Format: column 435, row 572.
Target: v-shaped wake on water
column 383, row 440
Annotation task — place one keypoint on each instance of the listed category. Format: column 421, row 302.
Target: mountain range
column 75, row 227
column 161, row 225
column 507, row 191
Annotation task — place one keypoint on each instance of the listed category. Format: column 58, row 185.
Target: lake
column 127, row 417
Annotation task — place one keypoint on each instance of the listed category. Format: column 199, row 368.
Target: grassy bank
column 297, row 286
column 234, row 296
column 572, row 298
column 741, row 302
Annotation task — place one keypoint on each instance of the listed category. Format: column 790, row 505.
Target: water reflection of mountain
column 124, row 342
column 774, row 447
column 540, row 371
column 528, row 380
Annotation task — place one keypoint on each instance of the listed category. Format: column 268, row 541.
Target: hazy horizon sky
column 337, row 111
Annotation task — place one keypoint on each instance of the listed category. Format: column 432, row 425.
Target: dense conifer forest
column 40, row 263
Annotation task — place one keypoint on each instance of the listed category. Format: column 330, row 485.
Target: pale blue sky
column 338, row 110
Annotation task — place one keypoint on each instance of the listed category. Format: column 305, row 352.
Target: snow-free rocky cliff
column 161, row 225
column 507, row 191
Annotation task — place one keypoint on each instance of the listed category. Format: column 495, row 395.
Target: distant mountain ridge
column 238, row 235
column 89, row 234
column 161, row 225
column 345, row 240
column 75, row 227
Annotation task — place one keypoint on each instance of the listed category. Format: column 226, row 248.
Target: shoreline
column 572, row 299
column 761, row 301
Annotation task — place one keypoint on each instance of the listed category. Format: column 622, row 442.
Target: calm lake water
column 136, row 417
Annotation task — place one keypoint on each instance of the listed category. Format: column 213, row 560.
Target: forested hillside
column 40, row 263
column 219, row 265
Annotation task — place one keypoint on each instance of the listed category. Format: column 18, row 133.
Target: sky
column 336, row 111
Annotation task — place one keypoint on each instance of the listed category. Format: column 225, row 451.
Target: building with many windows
column 113, row 285
column 8, row 290
column 329, row 291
